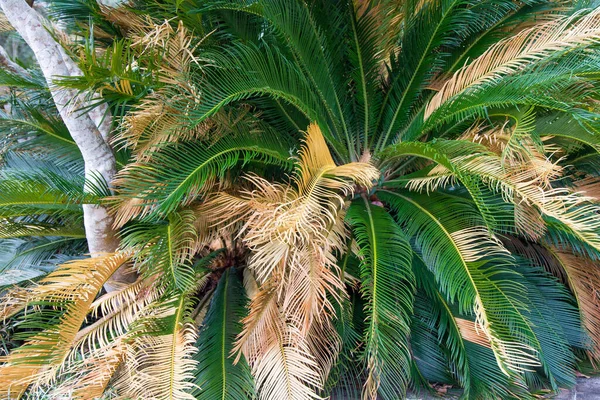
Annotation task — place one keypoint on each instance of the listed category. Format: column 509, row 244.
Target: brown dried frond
column 292, row 232
column 537, row 253
column 127, row 20
column 589, row 187
column 162, row 116
column 387, row 18
column 471, row 332
column 5, row 26
column 278, row 354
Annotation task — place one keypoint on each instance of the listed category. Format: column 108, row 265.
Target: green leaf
column 471, row 268
column 179, row 172
column 217, row 376
column 167, row 248
column 387, row 285
column 474, row 366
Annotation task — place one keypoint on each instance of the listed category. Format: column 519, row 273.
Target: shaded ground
column 586, row 389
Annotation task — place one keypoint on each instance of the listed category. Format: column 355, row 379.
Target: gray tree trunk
column 90, row 130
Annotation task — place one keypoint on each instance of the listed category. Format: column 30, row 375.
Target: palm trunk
column 89, row 130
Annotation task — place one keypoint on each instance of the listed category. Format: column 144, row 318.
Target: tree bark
column 90, row 130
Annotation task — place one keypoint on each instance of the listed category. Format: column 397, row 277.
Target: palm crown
column 320, row 198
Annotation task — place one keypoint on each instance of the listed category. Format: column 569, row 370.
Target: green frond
column 582, row 280
column 30, row 258
column 579, row 126
column 457, row 248
column 179, row 173
column 42, row 227
column 562, row 85
column 429, row 361
column 366, row 58
column 387, row 285
column 113, row 75
column 346, row 378
column 217, row 376
column 464, row 357
column 431, row 306
column 314, row 47
column 552, row 317
column 34, row 81
column 166, row 248
column 432, row 24
column 39, row 193
column 29, row 119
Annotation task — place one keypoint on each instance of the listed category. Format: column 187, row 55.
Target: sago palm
column 329, row 198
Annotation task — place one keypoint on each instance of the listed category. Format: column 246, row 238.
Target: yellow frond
column 90, row 377
column 316, row 166
column 114, row 313
column 583, row 278
column 286, row 370
column 73, row 287
column 159, row 363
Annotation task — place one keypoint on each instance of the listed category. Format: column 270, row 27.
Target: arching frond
column 582, row 129
column 189, row 168
column 217, row 376
column 473, row 366
column 26, row 259
column 387, row 286
column 98, row 368
column 40, row 193
column 114, row 313
column 165, row 249
column 456, row 249
column 515, row 53
column 159, row 361
column 71, row 289
column 467, row 159
column 278, row 355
